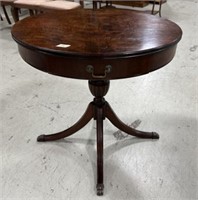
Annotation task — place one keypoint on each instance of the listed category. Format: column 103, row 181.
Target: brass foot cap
column 155, row 135
column 100, row 188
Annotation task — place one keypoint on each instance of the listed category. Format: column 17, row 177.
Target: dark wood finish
column 158, row 1
column 15, row 10
column 132, row 3
column 111, row 4
column 98, row 109
column 6, row 14
column 15, row 13
column 99, row 123
column 154, row 2
column 105, row 44
column 76, row 127
column 137, row 42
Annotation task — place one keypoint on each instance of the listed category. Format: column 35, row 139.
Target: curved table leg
column 88, row 115
column 99, row 109
column 99, row 121
column 109, row 113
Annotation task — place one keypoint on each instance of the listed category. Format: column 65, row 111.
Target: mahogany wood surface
column 132, row 43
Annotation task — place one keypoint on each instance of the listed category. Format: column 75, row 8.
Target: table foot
column 41, row 138
column 88, row 115
column 110, row 114
column 100, row 188
column 155, row 135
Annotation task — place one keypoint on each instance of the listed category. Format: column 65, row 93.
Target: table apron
column 76, row 67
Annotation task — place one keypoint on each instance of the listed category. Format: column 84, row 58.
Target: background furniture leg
column 6, row 14
column 15, row 13
column 160, row 8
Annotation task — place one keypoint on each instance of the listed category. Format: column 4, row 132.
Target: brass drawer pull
column 90, row 69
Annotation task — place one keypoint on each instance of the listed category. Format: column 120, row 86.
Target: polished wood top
column 95, row 36
column 97, row 33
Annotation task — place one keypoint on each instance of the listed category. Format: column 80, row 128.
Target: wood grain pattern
column 136, row 42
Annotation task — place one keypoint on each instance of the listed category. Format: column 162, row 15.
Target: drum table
column 97, row 46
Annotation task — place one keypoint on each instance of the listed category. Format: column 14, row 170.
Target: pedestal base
column 98, row 109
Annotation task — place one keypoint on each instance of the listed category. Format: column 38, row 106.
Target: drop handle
column 90, row 69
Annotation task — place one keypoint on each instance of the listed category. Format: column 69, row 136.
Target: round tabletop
column 96, row 44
